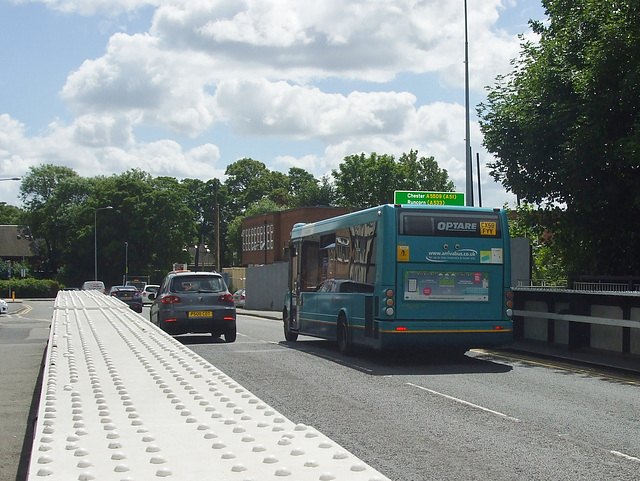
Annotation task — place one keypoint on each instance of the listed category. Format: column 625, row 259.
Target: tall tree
column 363, row 181
column 565, row 128
column 422, row 174
column 10, row 214
column 247, row 182
column 51, row 195
column 306, row 190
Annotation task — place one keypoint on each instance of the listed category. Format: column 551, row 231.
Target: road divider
column 121, row 400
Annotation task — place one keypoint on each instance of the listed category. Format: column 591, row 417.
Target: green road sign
column 428, row 198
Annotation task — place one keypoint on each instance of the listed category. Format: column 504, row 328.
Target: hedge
column 29, row 288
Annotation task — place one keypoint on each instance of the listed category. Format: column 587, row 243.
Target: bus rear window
column 449, row 224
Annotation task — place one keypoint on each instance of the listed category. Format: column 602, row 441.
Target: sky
column 183, row 88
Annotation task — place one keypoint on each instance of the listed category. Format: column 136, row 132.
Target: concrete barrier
column 121, row 400
column 607, row 321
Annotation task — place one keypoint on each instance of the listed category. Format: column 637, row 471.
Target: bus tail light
column 389, row 302
column 509, row 303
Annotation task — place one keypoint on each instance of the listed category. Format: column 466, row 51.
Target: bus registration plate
column 200, row 313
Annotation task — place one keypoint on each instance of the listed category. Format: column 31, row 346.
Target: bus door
column 306, row 279
column 294, row 287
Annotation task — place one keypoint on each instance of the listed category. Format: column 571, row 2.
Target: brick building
column 265, row 236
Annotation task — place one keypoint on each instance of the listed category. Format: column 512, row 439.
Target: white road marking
column 466, row 403
column 625, row 456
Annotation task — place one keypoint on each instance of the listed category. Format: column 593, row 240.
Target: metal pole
column 469, row 179
column 126, row 263
column 95, row 245
column 217, row 214
column 479, row 188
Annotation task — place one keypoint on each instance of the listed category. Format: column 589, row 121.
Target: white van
column 94, row 286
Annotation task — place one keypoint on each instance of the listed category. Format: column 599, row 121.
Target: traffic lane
column 23, row 339
column 396, row 418
column 575, row 402
column 585, row 405
column 585, row 409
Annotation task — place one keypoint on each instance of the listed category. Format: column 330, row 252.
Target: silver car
column 239, row 297
column 4, row 307
column 194, row 302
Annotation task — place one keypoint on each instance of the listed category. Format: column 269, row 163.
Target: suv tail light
column 226, row 298
column 171, row 299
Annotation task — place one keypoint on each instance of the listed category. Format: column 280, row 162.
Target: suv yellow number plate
column 200, row 313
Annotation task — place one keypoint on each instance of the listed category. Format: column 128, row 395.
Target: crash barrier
column 608, row 321
column 122, row 400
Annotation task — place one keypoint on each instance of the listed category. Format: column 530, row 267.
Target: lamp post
column 126, row 263
column 12, row 178
column 469, row 176
column 95, row 240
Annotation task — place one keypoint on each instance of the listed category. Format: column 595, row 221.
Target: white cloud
column 97, row 155
column 260, row 107
column 253, row 66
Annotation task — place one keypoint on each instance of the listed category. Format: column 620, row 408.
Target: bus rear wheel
column 289, row 335
column 344, row 343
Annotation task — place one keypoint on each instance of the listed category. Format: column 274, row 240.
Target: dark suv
column 195, row 302
column 129, row 295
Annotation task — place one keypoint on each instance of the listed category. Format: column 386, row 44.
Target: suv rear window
column 197, row 284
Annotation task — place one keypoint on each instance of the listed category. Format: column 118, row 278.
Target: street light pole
column 95, row 240
column 126, row 263
column 468, row 165
column 13, row 178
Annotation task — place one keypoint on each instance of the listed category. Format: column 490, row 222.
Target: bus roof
column 369, row 215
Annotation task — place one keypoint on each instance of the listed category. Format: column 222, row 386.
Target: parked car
column 238, row 298
column 4, row 307
column 94, row 286
column 149, row 289
column 129, row 295
column 194, row 302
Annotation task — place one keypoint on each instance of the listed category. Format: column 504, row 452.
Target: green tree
column 306, row 190
column 537, row 225
column 170, row 225
column 277, row 188
column 422, row 174
column 247, row 182
column 51, row 195
column 564, row 127
column 363, row 181
column 10, row 214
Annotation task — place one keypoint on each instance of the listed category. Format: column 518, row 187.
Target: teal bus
column 402, row 276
